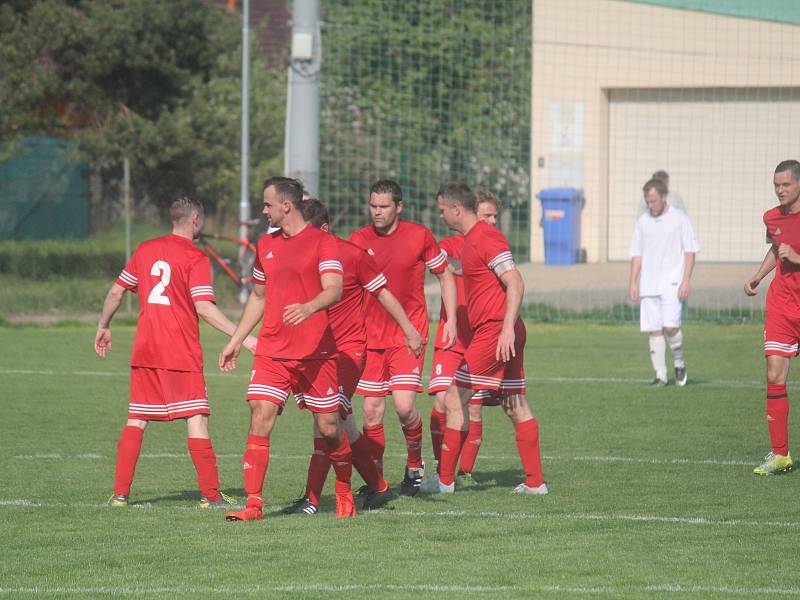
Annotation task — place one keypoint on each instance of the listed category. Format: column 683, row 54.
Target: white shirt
column 662, row 242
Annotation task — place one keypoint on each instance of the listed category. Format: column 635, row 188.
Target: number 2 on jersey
column 164, row 271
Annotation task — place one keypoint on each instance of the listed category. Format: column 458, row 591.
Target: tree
column 157, row 82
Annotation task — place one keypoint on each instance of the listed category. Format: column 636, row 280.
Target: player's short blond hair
column 484, row 196
column 656, row 184
column 183, row 207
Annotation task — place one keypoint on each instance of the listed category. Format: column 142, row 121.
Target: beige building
column 622, row 89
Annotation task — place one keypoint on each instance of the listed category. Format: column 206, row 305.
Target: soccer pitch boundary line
column 416, row 514
column 497, row 457
column 670, row 588
column 725, row 383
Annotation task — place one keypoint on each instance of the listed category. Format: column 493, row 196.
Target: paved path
column 584, row 286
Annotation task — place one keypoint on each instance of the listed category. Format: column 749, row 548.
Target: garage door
column 719, row 146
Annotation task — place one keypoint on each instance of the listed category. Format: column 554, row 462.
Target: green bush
column 45, row 259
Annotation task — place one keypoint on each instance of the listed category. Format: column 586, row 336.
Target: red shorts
column 164, row 395
column 781, row 334
column 445, row 363
column 390, row 369
column 480, row 370
column 349, row 366
column 312, row 381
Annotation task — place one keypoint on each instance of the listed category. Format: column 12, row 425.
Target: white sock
column 658, row 356
column 676, row 345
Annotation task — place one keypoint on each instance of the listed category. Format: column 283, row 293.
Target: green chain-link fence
column 426, row 93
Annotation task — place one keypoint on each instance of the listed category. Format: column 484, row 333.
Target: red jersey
column 290, row 269
column 402, row 256
column 784, row 292
column 485, row 247
column 170, row 274
column 360, row 273
column 453, row 247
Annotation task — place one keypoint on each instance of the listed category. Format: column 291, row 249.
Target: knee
column 671, row 331
column 775, row 376
column 517, row 408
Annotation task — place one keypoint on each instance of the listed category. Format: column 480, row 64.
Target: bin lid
column 560, row 194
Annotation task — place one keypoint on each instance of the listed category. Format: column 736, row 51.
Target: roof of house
column 780, row 11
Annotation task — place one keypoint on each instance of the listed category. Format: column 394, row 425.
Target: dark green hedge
column 46, row 259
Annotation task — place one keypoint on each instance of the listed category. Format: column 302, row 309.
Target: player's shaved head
column 459, row 193
column 789, row 165
column 287, row 189
column 183, row 207
column 314, row 212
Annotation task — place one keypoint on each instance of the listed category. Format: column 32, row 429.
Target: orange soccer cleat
column 250, row 513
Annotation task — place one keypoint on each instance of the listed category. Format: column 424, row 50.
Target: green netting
column 426, row 93
column 42, row 194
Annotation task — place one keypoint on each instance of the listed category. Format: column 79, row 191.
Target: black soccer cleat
column 301, row 506
column 412, row 481
column 376, row 500
column 680, row 376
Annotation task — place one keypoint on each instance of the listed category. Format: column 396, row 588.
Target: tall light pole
column 301, row 153
column 244, row 197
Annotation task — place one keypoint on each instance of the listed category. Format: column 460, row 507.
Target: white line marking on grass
column 423, row 587
column 590, row 517
column 260, row 589
column 726, row 383
column 277, row 456
column 27, row 503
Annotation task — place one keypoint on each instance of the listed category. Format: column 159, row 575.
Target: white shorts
column 657, row 312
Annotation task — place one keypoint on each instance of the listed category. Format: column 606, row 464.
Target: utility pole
column 244, row 196
column 301, row 153
column 126, row 201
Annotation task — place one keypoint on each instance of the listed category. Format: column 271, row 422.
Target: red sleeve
column 435, row 259
column 200, row 286
column 129, row 278
column 368, row 274
column 258, row 271
column 328, row 253
column 447, row 245
column 494, row 248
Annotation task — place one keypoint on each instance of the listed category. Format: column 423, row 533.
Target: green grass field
column 651, row 489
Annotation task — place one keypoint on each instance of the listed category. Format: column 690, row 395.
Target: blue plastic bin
column 561, row 224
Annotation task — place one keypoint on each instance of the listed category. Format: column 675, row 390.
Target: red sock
column 377, row 444
column 318, row 469
column 413, row 435
column 437, row 432
column 362, row 461
column 451, row 447
column 255, row 462
column 341, row 459
column 527, row 434
column 128, row 448
column 469, row 452
column 778, row 418
column 205, row 463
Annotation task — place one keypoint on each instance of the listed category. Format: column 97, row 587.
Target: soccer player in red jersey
column 173, row 279
column 361, row 276
column 298, row 276
column 493, row 359
column 402, row 251
column 782, row 320
column 445, row 362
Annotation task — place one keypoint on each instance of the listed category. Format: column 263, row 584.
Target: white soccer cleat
column 533, row 491
column 446, row 489
column 430, row 485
